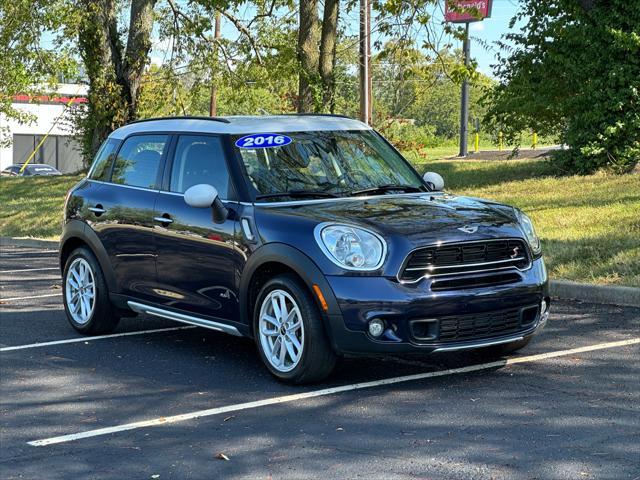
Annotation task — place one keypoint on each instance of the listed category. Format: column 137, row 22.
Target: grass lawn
column 32, row 206
column 589, row 225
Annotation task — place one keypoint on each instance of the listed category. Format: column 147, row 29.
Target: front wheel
column 86, row 298
column 289, row 333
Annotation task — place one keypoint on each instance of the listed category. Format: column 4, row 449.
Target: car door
column 122, row 212
column 197, row 258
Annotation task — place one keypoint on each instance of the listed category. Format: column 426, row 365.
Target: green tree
column 413, row 85
column 317, row 55
column 26, row 67
column 574, row 69
column 115, row 59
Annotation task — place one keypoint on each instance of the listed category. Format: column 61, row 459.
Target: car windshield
column 327, row 163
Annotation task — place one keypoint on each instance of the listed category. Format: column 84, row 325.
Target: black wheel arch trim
column 297, row 261
column 76, row 229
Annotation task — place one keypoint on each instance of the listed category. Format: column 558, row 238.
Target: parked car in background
column 310, row 234
column 31, row 170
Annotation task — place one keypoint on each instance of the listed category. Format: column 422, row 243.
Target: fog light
column 376, row 327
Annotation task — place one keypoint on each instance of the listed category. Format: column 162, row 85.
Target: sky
column 490, row 30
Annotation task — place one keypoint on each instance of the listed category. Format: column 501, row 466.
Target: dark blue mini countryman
column 310, row 234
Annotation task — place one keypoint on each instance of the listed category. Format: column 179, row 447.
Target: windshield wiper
column 297, row 194
column 386, row 188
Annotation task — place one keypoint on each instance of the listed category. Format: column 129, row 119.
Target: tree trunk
column 328, row 52
column 308, row 54
column 96, row 32
column 137, row 54
column 114, row 72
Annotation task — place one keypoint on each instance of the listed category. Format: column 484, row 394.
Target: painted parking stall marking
column 327, row 391
column 21, row 270
column 29, row 297
column 21, row 254
column 91, row 339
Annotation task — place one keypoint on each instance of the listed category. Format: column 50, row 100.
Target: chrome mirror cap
column 434, row 179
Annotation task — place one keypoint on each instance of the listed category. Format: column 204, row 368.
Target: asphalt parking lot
column 165, row 401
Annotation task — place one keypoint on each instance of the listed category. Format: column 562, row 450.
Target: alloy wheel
column 80, row 291
column 281, row 330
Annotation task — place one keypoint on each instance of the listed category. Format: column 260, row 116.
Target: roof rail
column 185, row 117
column 311, row 114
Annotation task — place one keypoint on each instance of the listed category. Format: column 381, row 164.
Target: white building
column 61, row 148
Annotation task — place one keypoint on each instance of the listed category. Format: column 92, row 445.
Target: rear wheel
column 289, row 333
column 86, row 297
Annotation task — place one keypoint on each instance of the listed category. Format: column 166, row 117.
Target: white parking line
column 91, row 339
column 30, row 297
column 29, row 270
column 25, row 254
column 323, row 392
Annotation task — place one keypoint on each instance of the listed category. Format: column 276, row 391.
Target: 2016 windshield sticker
column 263, row 140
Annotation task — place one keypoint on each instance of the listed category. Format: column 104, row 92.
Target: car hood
column 419, row 219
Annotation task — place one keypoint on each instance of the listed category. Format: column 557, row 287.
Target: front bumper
column 418, row 319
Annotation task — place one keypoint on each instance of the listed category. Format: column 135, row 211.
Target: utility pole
column 365, row 61
column 464, row 100
column 213, row 103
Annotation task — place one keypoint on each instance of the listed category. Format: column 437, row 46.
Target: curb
column 614, row 295
column 28, row 242
column 564, row 289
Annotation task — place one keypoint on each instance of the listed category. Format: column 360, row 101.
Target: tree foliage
column 270, row 65
column 574, row 68
column 412, row 84
column 25, row 66
column 115, row 58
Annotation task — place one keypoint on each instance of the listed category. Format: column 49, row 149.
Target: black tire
column 103, row 319
column 318, row 359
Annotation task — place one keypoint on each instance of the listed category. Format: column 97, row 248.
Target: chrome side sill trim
column 180, row 317
column 480, row 344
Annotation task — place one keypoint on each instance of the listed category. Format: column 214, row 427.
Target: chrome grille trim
column 481, row 266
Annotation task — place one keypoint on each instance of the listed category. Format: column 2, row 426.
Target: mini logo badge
column 468, row 229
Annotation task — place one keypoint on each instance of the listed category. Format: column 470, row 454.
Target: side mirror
column 434, row 179
column 204, row 196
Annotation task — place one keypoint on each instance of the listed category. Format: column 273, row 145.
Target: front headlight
column 350, row 247
column 527, row 227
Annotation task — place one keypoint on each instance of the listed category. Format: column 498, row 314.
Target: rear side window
column 199, row 159
column 138, row 161
column 101, row 166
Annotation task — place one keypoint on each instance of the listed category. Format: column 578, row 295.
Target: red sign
column 48, row 99
column 463, row 11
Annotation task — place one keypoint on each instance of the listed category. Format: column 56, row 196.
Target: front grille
column 458, row 258
column 474, row 326
column 468, row 327
column 475, row 281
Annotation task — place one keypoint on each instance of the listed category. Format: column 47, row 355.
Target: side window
column 101, row 166
column 138, row 161
column 199, row 159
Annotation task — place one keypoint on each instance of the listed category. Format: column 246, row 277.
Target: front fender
column 294, row 259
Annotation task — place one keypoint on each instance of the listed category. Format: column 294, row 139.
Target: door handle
column 98, row 210
column 165, row 219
